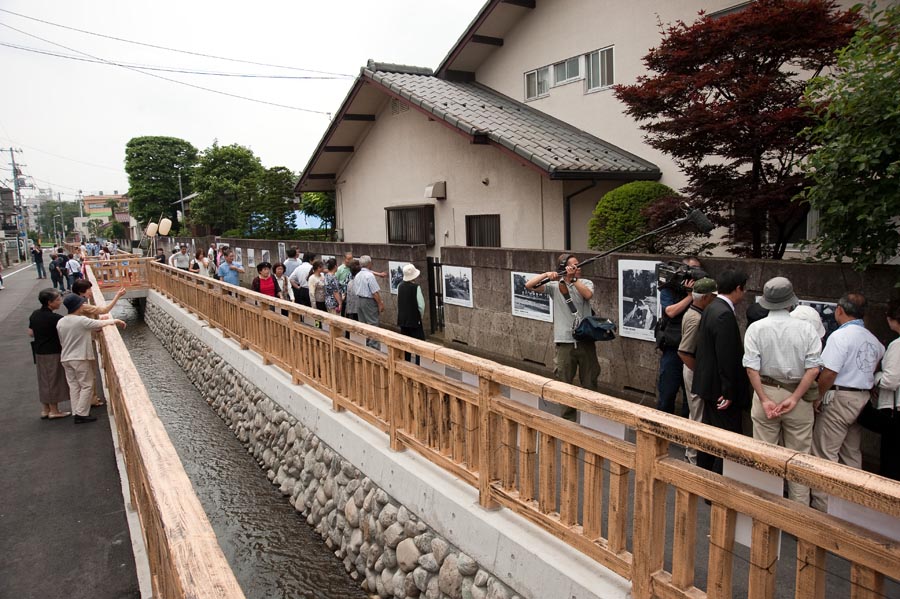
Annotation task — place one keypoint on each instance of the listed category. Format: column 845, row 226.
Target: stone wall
column 383, row 545
column 629, row 366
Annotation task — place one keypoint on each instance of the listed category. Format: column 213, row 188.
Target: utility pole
column 181, row 198
column 20, row 217
column 62, row 224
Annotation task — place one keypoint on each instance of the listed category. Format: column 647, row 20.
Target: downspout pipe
column 567, row 215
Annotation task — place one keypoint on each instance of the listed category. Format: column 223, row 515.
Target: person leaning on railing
column 52, row 386
column 230, row 271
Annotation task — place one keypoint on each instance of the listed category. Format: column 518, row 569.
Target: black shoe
column 82, row 419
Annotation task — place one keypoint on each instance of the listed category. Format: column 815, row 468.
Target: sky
column 72, row 119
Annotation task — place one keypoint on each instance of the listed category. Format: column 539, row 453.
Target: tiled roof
column 554, row 146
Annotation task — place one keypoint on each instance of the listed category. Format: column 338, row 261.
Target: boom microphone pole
column 695, row 217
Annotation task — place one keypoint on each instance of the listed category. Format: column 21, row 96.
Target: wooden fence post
column 394, row 405
column 486, row 444
column 649, row 514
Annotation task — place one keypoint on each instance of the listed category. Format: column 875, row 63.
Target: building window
column 483, row 230
column 566, row 71
column 411, row 224
column 537, row 83
column 599, row 67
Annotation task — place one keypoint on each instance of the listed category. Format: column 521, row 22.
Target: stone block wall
column 384, row 546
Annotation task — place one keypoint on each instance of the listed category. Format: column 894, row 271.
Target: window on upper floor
column 599, row 69
column 537, row 83
column 567, row 71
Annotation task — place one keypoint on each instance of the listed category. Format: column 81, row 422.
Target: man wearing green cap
column 704, row 292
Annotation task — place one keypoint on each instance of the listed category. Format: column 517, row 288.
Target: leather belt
column 840, row 388
column 767, row 380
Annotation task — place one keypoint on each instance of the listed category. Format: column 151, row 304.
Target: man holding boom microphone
column 571, row 296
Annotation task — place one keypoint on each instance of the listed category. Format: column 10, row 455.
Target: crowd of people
column 804, row 392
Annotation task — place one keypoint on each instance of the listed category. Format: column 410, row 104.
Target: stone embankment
column 382, row 544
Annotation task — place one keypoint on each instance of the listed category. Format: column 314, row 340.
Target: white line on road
column 15, row 272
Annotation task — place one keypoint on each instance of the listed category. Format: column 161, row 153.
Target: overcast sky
column 72, row 119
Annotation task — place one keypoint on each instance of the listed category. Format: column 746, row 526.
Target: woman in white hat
column 410, row 305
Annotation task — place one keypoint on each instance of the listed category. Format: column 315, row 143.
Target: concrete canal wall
column 402, row 526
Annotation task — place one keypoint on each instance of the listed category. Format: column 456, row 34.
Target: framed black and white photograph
column 638, row 299
column 239, row 256
column 458, row 286
column 251, row 257
column 826, row 313
column 282, row 252
column 264, row 256
column 325, row 257
column 395, row 275
column 527, row 303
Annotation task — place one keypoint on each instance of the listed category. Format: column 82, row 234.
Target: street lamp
column 61, row 229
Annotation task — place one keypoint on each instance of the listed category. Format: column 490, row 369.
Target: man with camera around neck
column 565, row 287
column 674, row 299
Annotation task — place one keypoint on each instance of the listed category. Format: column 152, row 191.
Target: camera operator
column 566, row 286
column 674, row 299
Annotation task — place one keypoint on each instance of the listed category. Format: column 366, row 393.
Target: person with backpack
column 674, row 301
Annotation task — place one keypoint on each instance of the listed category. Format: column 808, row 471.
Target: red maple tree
column 724, row 99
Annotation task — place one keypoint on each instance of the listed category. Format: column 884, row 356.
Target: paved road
column 63, row 531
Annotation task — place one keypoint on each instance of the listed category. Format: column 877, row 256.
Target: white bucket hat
column 410, row 272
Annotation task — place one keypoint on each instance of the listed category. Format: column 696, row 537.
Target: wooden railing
column 185, row 558
column 129, row 272
column 480, row 421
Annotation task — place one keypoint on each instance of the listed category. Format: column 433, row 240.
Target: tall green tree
column 724, row 100
column 319, row 204
column 273, row 214
column 153, row 164
column 226, row 179
column 855, row 172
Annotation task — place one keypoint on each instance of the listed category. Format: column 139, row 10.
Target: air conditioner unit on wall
column 437, row 190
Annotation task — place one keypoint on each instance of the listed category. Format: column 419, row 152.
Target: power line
column 109, row 168
column 127, row 41
column 170, row 69
column 136, row 70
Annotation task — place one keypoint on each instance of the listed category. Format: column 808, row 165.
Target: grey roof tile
column 548, row 143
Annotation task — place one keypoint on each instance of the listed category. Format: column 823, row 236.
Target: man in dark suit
column 719, row 377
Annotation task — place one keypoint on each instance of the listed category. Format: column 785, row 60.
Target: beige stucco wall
column 404, row 153
column 559, row 29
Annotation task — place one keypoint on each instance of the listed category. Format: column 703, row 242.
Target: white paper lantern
column 165, row 225
column 152, row 229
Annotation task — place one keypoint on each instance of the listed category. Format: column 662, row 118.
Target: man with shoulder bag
column 571, row 302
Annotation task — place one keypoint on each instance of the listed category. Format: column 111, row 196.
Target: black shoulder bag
column 590, row 328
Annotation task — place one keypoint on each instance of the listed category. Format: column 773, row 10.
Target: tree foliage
column 319, row 204
column 273, row 215
column 856, row 170
column 48, row 217
column 226, row 179
column 153, row 164
column 725, row 101
column 627, row 212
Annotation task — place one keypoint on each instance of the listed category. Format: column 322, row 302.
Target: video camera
column 672, row 275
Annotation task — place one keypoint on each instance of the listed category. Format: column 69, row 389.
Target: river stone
column 481, row 578
column 421, row 576
column 466, row 589
column 402, row 515
column 450, row 580
column 476, row 592
column 393, row 535
column 432, row 591
column 351, row 513
column 320, row 496
column 407, row 555
column 409, row 588
column 440, row 548
column 428, row 562
column 398, row 583
column 423, row 542
column 410, row 529
column 388, row 515
column 381, row 496
column 387, row 581
column 389, row 557
column 467, row 566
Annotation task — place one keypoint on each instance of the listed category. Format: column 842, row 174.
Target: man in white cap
column 782, row 356
column 850, row 359
column 410, row 305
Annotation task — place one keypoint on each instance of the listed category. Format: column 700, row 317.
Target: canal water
column 270, row 547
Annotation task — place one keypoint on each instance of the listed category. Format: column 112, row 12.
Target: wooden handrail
column 185, row 558
column 528, row 460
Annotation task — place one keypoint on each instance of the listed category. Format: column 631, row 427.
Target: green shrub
column 619, row 215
